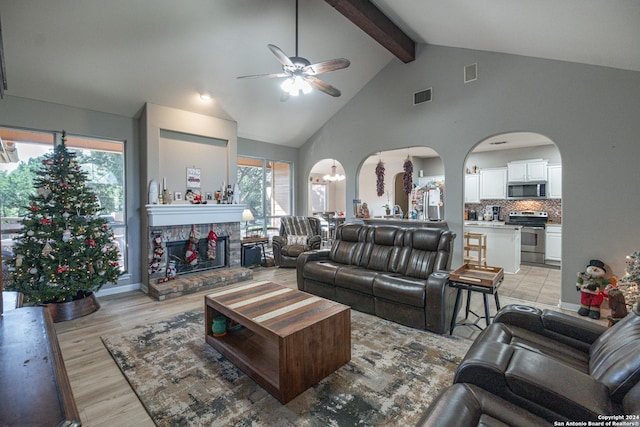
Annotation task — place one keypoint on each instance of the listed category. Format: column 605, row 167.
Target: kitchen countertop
column 492, row 224
column 407, row 222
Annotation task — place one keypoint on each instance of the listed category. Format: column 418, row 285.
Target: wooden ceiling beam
column 372, row 21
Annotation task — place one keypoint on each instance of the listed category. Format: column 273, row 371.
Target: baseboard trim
column 118, row 289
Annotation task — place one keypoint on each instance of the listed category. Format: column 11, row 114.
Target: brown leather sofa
column 395, row 273
column 551, row 365
column 297, row 235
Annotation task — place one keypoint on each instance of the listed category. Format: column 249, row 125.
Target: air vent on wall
column 471, row 73
column 422, row 96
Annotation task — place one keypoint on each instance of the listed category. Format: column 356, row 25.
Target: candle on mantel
column 164, row 183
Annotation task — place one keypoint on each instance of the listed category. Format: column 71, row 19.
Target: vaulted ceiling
column 113, row 56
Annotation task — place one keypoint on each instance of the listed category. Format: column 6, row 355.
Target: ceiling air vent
column 471, row 73
column 422, row 96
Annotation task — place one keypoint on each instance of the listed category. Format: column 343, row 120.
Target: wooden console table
column 290, row 340
column 34, row 387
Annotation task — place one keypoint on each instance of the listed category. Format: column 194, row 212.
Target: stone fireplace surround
column 174, row 223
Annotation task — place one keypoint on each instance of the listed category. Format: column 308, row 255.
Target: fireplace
column 176, row 253
column 169, row 229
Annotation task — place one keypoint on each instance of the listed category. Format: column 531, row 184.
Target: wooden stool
column 475, row 248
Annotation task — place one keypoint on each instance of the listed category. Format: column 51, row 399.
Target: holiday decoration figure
column 591, row 284
column 65, row 250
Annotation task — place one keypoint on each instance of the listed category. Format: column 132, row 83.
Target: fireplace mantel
column 181, row 214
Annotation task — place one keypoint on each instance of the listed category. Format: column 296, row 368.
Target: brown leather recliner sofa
column 395, row 273
column 546, row 366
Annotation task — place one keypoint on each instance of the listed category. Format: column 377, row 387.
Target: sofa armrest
column 314, row 242
column 305, row 257
column 538, row 383
column 440, row 299
column 561, row 327
column 553, row 385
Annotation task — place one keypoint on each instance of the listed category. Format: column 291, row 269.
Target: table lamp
column 246, row 217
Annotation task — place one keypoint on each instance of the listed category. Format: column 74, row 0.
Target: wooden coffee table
column 290, row 340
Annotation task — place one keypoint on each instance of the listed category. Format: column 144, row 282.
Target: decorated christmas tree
column 630, row 283
column 64, row 251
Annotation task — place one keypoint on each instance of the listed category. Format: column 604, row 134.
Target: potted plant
column 387, row 208
column 65, row 251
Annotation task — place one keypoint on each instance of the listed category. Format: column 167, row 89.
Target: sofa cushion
column 297, row 225
column 522, row 338
column 382, row 247
column 356, row 278
column 401, row 289
column 347, row 246
column 293, row 250
column 298, row 240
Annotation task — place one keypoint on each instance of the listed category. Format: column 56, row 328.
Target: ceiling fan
column 301, row 73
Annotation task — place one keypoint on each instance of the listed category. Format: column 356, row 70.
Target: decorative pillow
column 294, row 239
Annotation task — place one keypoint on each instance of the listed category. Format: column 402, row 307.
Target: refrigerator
column 433, row 204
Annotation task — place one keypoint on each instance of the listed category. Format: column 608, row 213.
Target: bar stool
column 475, row 248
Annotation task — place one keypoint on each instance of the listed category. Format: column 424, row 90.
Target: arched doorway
column 494, row 182
column 428, row 168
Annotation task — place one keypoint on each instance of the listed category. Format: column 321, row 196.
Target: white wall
column 590, row 112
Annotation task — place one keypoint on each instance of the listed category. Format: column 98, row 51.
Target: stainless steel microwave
column 527, row 190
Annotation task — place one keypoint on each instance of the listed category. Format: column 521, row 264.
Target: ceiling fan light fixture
column 296, row 84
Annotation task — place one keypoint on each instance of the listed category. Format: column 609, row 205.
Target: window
column 103, row 161
column 265, row 188
column 318, row 197
column 20, row 158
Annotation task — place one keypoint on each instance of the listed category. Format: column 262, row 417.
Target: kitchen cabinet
column 527, row 170
column 493, row 183
column 553, row 244
column 472, row 188
column 554, row 181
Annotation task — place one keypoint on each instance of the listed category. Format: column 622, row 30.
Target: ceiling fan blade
column 263, row 76
column 322, row 86
column 326, row 66
column 282, row 57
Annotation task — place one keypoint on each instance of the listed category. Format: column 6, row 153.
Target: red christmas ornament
column 91, row 243
column 46, row 221
column 34, row 208
column 62, row 268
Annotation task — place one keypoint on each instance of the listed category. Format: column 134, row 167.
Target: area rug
column 393, row 375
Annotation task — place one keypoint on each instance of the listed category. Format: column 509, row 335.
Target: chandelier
column 334, row 176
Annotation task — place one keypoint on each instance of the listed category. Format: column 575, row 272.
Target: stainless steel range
column 533, row 234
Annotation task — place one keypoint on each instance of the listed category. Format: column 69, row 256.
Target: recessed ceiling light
column 206, row 96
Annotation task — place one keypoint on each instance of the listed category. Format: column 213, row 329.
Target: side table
column 475, row 278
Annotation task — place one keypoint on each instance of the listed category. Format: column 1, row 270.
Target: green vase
column 219, row 326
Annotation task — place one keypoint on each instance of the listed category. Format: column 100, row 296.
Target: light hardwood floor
column 102, row 394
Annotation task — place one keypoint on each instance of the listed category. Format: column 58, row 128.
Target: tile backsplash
column 552, row 206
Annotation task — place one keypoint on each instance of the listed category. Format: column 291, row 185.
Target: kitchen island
column 503, row 243
column 408, row 223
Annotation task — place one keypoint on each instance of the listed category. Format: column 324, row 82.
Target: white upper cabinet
column 493, row 183
column 527, row 170
column 554, row 183
column 472, row 188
